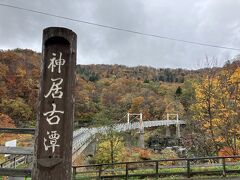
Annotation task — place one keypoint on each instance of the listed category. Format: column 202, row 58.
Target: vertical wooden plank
column 53, row 138
column 126, row 170
column 188, row 169
column 157, row 169
column 224, row 167
column 74, row 173
column 100, row 172
column 14, row 162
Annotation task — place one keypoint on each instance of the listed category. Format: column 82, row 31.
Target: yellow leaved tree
column 216, row 110
column 110, row 149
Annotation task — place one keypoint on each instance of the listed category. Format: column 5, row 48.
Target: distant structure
column 141, row 127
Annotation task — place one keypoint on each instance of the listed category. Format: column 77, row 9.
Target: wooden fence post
column 188, row 169
column 74, row 173
column 224, row 167
column 157, row 168
column 100, row 171
column 14, row 162
column 53, row 136
column 126, row 170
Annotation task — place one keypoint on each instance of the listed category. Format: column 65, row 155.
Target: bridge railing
column 187, row 167
column 82, row 136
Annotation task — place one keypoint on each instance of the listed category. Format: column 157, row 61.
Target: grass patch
column 162, row 170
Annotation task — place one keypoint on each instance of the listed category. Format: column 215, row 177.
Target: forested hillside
column 146, row 74
column 207, row 98
column 19, row 85
column 104, row 93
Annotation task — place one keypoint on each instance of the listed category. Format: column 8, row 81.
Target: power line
column 119, row 29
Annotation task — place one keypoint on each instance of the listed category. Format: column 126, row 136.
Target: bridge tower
column 141, row 127
column 178, row 133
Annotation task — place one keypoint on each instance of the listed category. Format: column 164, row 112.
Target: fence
column 21, row 155
column 16, row 161
column 188, row 167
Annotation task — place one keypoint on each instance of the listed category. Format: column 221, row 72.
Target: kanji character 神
column 54, row 62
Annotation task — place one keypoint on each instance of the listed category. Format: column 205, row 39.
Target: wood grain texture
column 16, row 150
column 55, row 163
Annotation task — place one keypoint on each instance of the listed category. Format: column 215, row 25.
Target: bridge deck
column 84, row 135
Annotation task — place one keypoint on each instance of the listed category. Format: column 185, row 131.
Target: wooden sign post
column 53, row 139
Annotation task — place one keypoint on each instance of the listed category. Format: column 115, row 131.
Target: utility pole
column 53, row 138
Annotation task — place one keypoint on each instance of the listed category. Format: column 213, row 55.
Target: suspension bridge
column 82, row 137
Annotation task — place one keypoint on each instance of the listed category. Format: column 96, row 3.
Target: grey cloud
column 214, row 22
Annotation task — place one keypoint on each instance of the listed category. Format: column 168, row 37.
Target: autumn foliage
column 208, row 98
column 227, row 151
column 216, row 110
column 6, row 121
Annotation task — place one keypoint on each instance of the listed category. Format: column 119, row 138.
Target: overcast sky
column 206, row 21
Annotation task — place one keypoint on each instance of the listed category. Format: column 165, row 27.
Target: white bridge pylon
column 178, row 133
column 140, row 117
column 83, row 136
